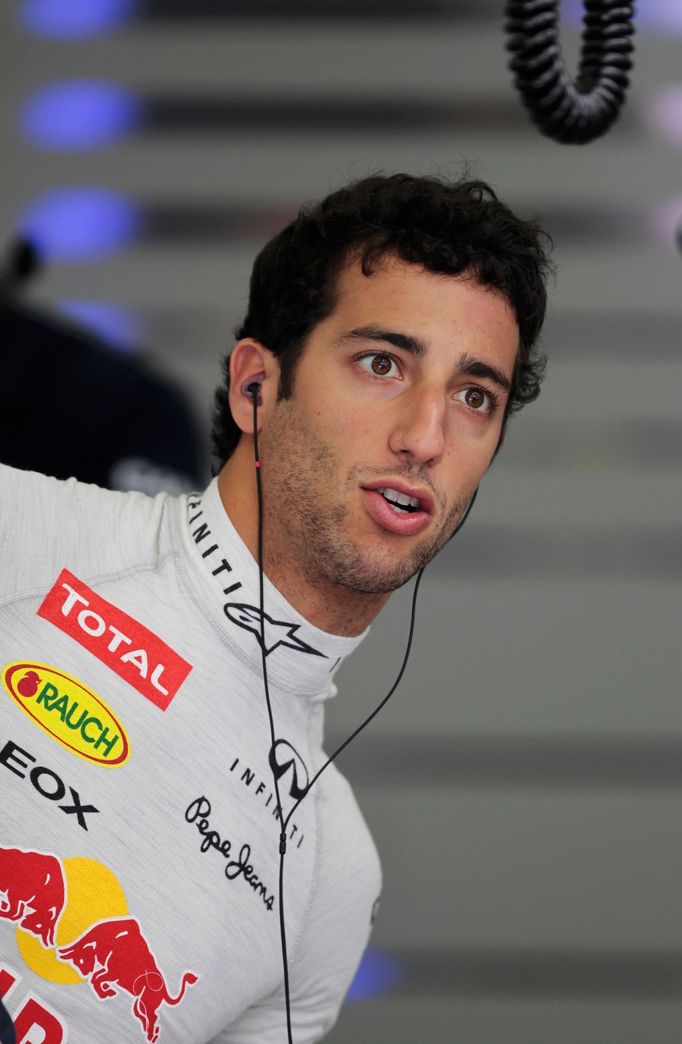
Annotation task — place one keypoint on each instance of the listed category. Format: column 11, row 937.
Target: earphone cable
column 396, row 683
column 283, row 822
column 280, row 813
column 379, row 706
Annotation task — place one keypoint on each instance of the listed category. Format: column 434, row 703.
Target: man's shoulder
column 348, row 840
column 45, row 523
column 344, row 899
column 36, row 490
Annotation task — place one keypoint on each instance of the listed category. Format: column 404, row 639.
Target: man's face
column 399, row 395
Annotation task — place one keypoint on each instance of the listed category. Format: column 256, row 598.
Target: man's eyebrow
column 478, row 368
column 414, row 345
column 417, row 347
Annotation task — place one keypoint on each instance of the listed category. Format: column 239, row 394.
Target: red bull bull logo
column 35, row 891
column 68, row 711
column 114, row 955
column 53, row 900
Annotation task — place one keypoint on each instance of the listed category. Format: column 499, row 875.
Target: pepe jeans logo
column 123, row 644
column 235, row 865
column 68, row 711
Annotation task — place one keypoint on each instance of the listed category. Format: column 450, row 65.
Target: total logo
column 122, row 643
column 73, row 926
column 68, row 711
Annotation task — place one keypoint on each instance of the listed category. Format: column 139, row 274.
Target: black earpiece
column 252, row 389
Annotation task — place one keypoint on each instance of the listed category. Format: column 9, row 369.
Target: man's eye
column 379, row 364
column 476, row 399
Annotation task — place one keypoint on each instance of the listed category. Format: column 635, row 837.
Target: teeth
column 393, row 497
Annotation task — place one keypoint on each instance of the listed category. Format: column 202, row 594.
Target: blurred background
column 523, row 785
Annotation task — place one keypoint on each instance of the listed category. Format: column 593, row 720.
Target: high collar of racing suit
column 300, row 657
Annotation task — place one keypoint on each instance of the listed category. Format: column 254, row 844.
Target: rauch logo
column 68, row 711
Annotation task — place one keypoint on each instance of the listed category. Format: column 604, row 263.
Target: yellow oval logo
column 68, row 711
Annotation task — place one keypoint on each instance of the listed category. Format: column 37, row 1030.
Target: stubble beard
column 312, row 538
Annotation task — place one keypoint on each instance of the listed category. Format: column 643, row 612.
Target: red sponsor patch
column 129, row 648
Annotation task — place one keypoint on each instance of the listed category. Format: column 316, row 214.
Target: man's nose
column 419, row 429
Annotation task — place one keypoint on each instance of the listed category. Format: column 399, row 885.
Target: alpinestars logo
column 277, row 632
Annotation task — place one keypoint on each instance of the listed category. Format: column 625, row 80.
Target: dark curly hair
column 450, row 228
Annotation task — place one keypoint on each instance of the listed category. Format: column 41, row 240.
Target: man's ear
column 252, row 363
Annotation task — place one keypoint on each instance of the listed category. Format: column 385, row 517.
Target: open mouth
column 399, row 511
column 400, row 502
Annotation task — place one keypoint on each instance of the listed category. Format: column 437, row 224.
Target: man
column 389, row 336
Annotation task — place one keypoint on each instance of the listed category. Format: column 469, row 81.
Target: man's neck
column 330, row 607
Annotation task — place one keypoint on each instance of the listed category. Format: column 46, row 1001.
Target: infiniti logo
column 284, row 757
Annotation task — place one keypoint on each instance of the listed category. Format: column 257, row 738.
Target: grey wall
column 523, row 787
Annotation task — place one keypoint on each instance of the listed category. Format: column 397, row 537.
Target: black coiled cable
column 571, row 112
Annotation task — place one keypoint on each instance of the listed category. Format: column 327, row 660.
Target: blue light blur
column 378, row 973
column 79, row 114
column 654, row 16
column 663, row 114
column 77, row 224
column 662, row 16
column 115, row 325
column 74, row 19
